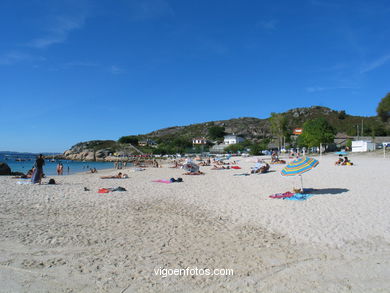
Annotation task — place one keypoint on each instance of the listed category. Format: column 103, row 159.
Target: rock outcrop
column 95, row 150
column 5, row 169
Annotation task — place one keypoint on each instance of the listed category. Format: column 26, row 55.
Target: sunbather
column 260, row 168
column 220, row 168
column 194, row 173
column 119, row 176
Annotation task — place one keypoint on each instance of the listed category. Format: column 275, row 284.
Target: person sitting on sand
column 347, row 162
column 274, row 157
column 119, row 176
column 340, row 161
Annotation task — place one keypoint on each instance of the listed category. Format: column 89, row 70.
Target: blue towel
column 299, row 196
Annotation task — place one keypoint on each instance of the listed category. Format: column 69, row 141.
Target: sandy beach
column 60, row 238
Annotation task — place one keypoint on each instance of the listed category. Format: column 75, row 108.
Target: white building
column 232, row 139
column 199, row 141
column 363, row 146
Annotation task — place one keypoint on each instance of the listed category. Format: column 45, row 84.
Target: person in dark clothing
column 39, row 163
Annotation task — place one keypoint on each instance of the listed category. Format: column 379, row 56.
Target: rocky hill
column 253, row 129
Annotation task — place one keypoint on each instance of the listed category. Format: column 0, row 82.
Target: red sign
column 298, row 131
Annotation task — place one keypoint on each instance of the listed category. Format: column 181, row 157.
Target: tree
column 383, row 109
column 278, row 126
column 317, row 131
column 216, row 132
column 234, row 148
column 256, row 149
column 342, row 115
column 129, row 139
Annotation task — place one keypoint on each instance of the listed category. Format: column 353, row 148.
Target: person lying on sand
column 220, row 168
column 28, row 175
column 194, row 173
column 119, row 176
column 175, row 164
column 261, row 168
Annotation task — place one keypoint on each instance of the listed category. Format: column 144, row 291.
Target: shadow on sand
column 329, row 191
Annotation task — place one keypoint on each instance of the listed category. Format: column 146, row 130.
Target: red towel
column 235, row 167
column 103, row 190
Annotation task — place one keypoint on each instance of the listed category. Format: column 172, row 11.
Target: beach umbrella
column 299, row 166
column 190, row 166
column 342, row 153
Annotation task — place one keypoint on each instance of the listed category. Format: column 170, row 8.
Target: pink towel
column 162, row 181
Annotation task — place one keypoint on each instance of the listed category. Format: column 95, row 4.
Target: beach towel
column 282, row 195
column 162, row 181
column 235, row 167
column 299, row 196
column 24, row 182
column 103, row 190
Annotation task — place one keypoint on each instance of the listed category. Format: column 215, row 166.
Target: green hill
column 250, row 128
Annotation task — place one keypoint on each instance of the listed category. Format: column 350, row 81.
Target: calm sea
column 28, row 161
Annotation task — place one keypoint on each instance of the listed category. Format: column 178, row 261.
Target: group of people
column 343, row 161
column 120, row 165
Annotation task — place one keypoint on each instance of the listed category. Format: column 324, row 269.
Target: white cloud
column 314, row 89
column 16, row 57
column 79, row 64
column 58, row 33
column 116, row 70
column 269, row 25
column 149, row 9
column 375, row 64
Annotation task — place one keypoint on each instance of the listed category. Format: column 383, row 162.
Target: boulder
column 5, row 169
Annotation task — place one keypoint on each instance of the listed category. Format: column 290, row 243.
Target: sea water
column 50, row 168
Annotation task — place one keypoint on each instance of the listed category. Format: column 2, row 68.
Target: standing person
column 61, row 169
column 58, row 168
column 38, row 173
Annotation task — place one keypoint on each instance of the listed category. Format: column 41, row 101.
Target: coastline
column 71, row 239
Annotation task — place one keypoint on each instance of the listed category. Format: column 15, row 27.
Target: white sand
column 64, row 239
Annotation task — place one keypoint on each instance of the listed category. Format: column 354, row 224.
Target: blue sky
column 78, row 70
